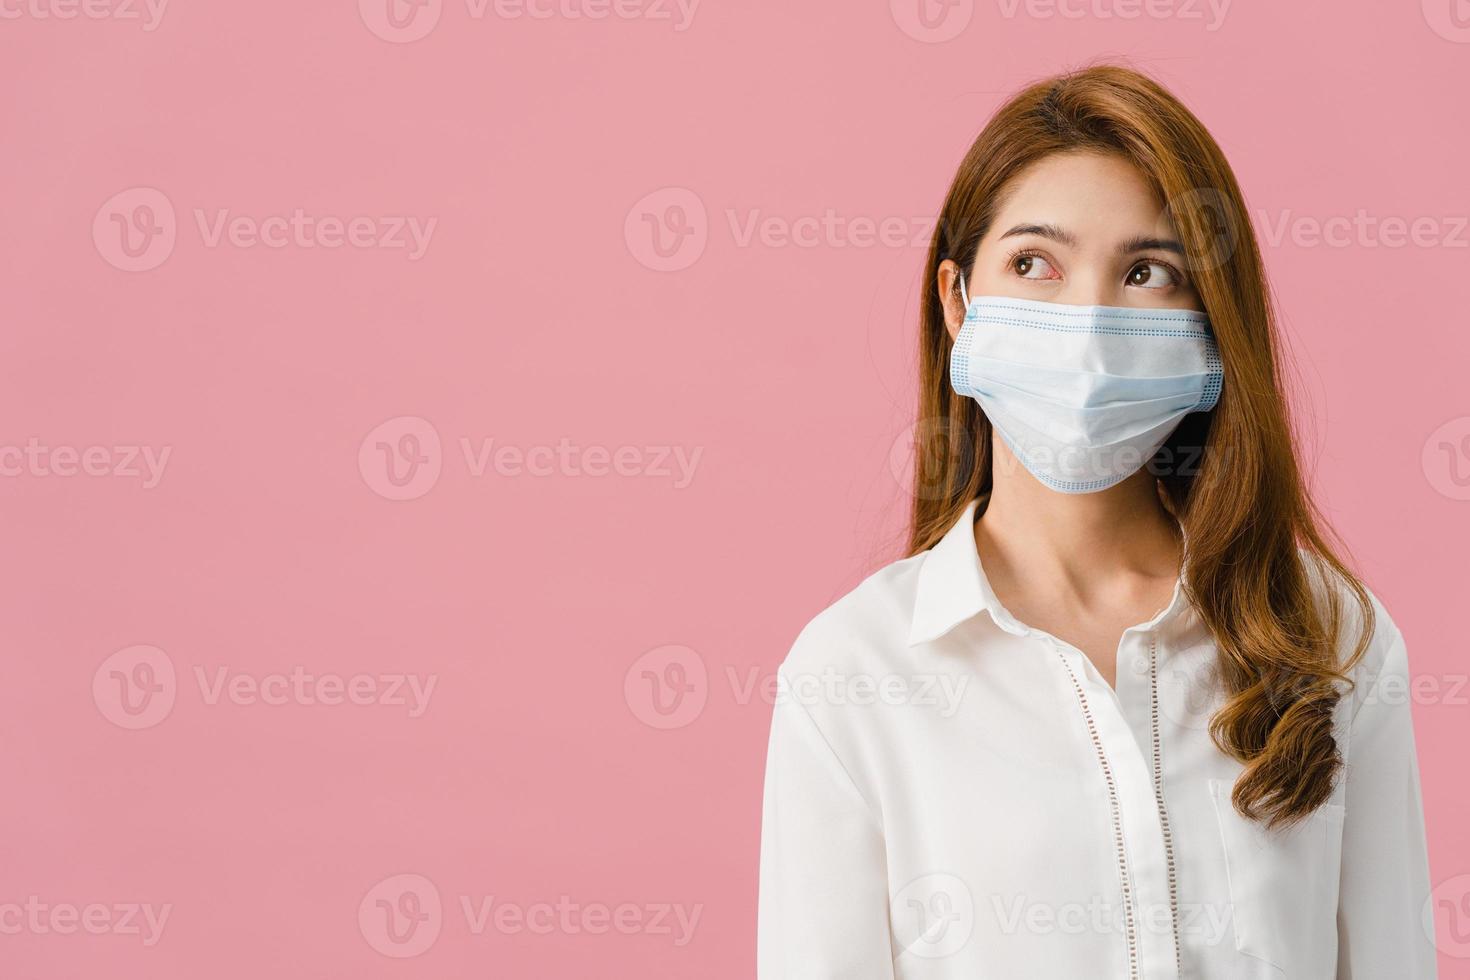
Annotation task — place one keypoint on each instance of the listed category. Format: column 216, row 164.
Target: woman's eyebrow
column 1145, row 244
column 1045, row 231
column 1140, row 243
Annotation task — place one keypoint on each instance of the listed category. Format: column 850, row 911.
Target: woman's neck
column 1075, row 536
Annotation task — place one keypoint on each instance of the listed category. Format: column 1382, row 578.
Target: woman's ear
column 949, row 297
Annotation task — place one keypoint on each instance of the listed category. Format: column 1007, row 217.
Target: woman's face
column 1084, row 229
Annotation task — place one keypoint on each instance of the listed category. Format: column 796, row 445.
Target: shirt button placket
column 1140, row 825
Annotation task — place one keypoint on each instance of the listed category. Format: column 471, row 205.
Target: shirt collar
column 952, row 587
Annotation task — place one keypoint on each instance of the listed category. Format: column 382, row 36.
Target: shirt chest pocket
column 1283, row 888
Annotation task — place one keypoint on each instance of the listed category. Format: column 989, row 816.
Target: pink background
column 543, row 314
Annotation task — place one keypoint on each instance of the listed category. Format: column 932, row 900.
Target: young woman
column 1120, row 712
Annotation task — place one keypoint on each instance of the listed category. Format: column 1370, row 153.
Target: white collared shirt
column 951, row 793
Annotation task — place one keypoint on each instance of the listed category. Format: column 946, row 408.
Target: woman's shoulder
column 865, row 629
column 1384, row 651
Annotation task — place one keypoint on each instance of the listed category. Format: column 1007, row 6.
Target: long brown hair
column 1256, row 541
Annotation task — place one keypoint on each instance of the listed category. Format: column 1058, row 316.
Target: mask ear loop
column 964, row 294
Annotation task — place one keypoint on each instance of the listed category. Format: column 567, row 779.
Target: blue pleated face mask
column 1084, row 395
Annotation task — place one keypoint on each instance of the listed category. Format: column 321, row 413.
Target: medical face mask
column 1084, row 395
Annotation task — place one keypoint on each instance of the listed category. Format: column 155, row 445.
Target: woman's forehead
column 1095, row 197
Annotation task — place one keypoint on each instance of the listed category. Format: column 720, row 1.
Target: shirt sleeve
column 823, row 911
column 1385, row 865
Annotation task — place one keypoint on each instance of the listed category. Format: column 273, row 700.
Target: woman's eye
column 1152, row 275
column 1032, row 267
